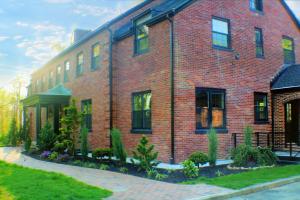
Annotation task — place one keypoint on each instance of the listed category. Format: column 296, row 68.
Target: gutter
column 110, row 84
column 172, row 66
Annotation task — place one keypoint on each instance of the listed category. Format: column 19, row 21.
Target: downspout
column 273, row 118
column 172, row 66
column 110, row 85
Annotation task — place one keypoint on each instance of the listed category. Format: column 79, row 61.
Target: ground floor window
column 261, row 107
column 141, row 110
column 210, row 108
column 86, row 108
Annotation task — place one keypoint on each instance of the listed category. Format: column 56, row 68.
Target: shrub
column 90, row 165
column 219, row 173
column 27, row 144
column 248, row 131
column 118, row 147
column 46, row 138
column 212, row 147
column 77, row 162
column 63, row 146
column 63, row 157
column 160, row 177
column 45, row 154
column 244, row 156
column 4, row 139
column 189, row 169
column 12, row 133
column 198, row 158
column 151, row 173
column 102, row 153
column 53, row 156
column 145, row 155
column 84, row 149
column 103, row 167
column 266, row 157
column 123, row 170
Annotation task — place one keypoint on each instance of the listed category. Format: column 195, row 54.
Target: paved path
column 288, row 192
column 125, row 187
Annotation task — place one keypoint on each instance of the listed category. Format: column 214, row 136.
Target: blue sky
column 33, row 31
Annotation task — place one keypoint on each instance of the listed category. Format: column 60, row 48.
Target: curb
column 257, row 188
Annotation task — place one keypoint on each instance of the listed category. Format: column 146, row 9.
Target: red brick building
column 172, row 69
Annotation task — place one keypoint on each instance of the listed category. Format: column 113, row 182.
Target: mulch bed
column 174, row 176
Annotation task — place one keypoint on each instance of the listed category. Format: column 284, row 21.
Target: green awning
column 56, row 95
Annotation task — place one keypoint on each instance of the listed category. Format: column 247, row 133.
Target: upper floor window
column 221, row 33
column 50, row 83
column 66, row 71
column 95, row 56
column 261, row 107
column 256, row 5
column 288, row 50
column 58, row 75
column 141, row 110
column 259, row 43
column 37, row 85
column 86, row 108
column 79, row 68
column 142, row 35
column 210, row 108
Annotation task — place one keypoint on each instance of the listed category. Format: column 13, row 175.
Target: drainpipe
column 273, row 118
column 172, row 65
column 110, row 85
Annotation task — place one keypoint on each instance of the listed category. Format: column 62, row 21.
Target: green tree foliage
column 198, row 158
column 84, row 142
column 47, row 137
column 189, row 169
column 12, row 133
column 118, row 147
column 145, row 155
column 248, row 131
column 212, row 146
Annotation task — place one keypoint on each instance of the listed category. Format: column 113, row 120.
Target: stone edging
column 248, row 168
column 257, row 188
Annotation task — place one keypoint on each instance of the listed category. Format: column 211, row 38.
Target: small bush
column 46, row 138
column 102, row 153
column 77, row 162
column 103, row 167
column 123, row 170
column 219, row 173
column 151, row 173
column 266, row 157
column 244, row 156
column 90, row 165
column 27, row 144
column 64, row 146
column 53, row 156
column 12, row 133
column 84, row 149
column 198, row 158
column 160, row 177
column 63, row 157
column 118, row 147
column 45, row 154
column 145, row 155
column 248, row 132
column 212, row 147
column 189, row 169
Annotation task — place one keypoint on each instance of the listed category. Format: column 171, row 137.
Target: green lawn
column 20, row 183
column 241, row 180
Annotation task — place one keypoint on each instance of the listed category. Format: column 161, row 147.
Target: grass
column 245, row 179
column 20, row 183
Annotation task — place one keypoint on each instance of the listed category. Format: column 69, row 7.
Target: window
column 95, row 56
column 210, row 108
column 256, row 5
column 37, row 85
column 288, row 50
column 58, row 75
column 142, row 35
column 259, row 43
column 220, row 33
column 141, row 110
column 261, row 107
column 50, row 83
column 79, row 68
column 86, row 108
column 66, row 71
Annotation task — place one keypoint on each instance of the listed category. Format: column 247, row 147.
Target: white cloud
column 3, row 55
column 3, row 38
column 22, row 24
column 89, row 10
column 295, row 6
column 59, row 1
column 18, row 37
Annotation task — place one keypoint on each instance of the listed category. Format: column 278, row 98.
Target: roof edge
column 291, row 13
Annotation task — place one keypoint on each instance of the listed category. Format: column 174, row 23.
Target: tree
column 12, row 133
column 212, row 146
column 117, row 145
column 84, row 148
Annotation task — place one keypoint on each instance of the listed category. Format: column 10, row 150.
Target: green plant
column 189, row 169
column 53, row 155
column 118, row 147
column 219, row 173
column 103, row 167
column 12, row 135
column 266, row 157
column 27, row 144
column 47, row 137
column 84, row 149
column 248, row 131
column 212, row 146
column 244, row 156
column 90, row 165
column 123, row 170
column 145, row 155
column 102, row 153
column 160, row 177
column 77, row 162
column 198, row 158
column 151, row 173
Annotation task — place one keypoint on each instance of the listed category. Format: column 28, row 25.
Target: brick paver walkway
column 125, row 187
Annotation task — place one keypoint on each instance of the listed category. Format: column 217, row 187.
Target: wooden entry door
column 292, row 121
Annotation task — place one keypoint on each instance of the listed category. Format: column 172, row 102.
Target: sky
column 34, row 31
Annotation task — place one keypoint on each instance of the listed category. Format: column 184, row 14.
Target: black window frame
column 142, row 129
column 95, row 61
column 229, row 47
column 256, row 8
column 77, row 64
column 259, row 44
column 67, row 72
column 138, row 51
column 210, row 91
column 256, row 111
column 87, row 118
column 293, row 61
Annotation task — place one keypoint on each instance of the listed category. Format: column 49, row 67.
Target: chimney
column 78, row 34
